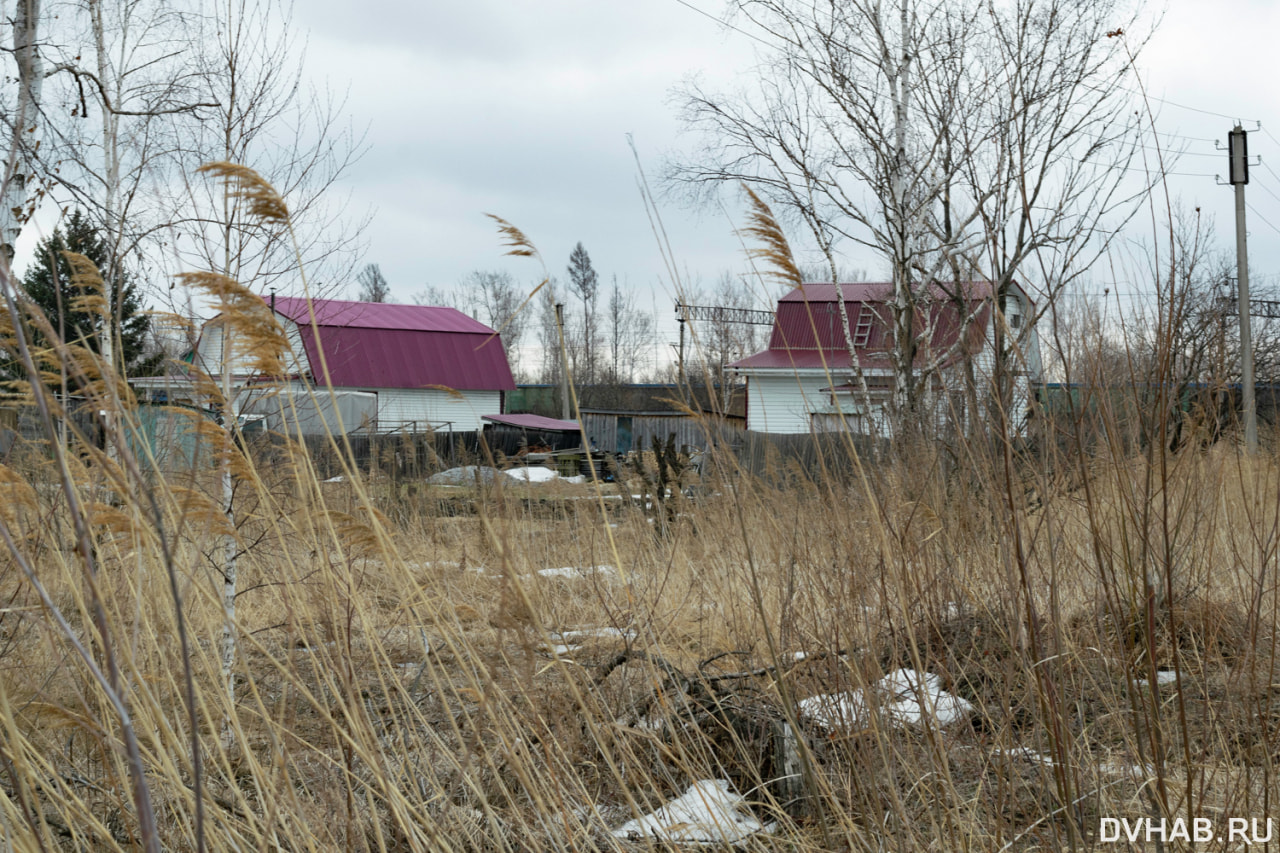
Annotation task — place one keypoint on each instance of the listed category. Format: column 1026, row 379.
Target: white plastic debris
column 898, row 695
column 710, row 812
column 534, row 474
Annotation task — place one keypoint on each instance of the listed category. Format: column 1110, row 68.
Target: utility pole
column 1238, row 152
column 680, row 380
column 565, row 414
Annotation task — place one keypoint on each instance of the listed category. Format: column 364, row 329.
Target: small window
column 1015, row 321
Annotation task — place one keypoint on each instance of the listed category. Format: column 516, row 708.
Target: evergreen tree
column 55, row 295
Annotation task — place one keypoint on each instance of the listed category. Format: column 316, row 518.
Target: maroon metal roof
column 807, row 331
column 533, row 422
column 379, row 345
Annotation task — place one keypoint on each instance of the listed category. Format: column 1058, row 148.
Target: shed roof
column 534, row 422
column 807, row 332
column 380, row 345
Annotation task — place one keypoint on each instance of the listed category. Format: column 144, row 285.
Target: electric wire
column 1263, row 218
column 1184, row 106
column 724, row 23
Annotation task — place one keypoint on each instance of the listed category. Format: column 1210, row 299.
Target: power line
column 1269, row 169
column 1267, row 189
column 1179, row 174
column 1263, row 218
column 1183, row 106
column 724, row 23
column 1188, row 138
column 1176, row 153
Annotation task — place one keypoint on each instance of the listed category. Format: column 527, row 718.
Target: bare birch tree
column 584, row 281
column 24, row 120
column 251, row 66
column 121, row 71
column 629, row 330
column 373, row 285
column 494, row 298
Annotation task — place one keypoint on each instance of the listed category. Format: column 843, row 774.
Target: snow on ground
column 576, row 572
column 564, row 642
column 580, row 634
column 710, row 812
column 533, row 475
column 898, row 695
column 464, row 476
column 1163, row 676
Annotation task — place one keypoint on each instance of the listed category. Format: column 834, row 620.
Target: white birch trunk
column 903, row 302
column 26, row 125
column 228, row 649
column 111, row 179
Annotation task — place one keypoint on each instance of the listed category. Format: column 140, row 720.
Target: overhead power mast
column 1238, row 151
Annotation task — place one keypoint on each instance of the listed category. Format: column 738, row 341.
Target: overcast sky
column 522, row 109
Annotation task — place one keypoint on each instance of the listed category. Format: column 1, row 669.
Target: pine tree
column 48, row 285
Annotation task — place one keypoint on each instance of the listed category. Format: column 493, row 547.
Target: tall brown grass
column 401, row 683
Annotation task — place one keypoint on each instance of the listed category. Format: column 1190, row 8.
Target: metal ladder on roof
column 862, row 331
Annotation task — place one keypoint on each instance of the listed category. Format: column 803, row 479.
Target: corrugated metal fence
column 615, row 432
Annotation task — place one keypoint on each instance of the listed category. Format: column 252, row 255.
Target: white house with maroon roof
column 391, row 367
column 806, row 380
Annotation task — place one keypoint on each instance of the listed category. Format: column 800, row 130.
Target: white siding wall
column 399, row 407
column 209, row 353
column 782, row 403
column 414, row 409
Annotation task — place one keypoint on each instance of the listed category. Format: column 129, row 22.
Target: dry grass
column 402, row 681
column 397, row 685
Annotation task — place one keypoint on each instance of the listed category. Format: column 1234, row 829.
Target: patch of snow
column 576, row 572
column 1163, row 676
column 533, row 474
column 564, row 642
column 1138, row 772
column 576, row 479
column 1026, row 753
column 337, row 479
column 580, row 634
column 899, row 695
column 710, row 812
column 465, row 476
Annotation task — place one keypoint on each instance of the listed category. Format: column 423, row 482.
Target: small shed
column 513, row 433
